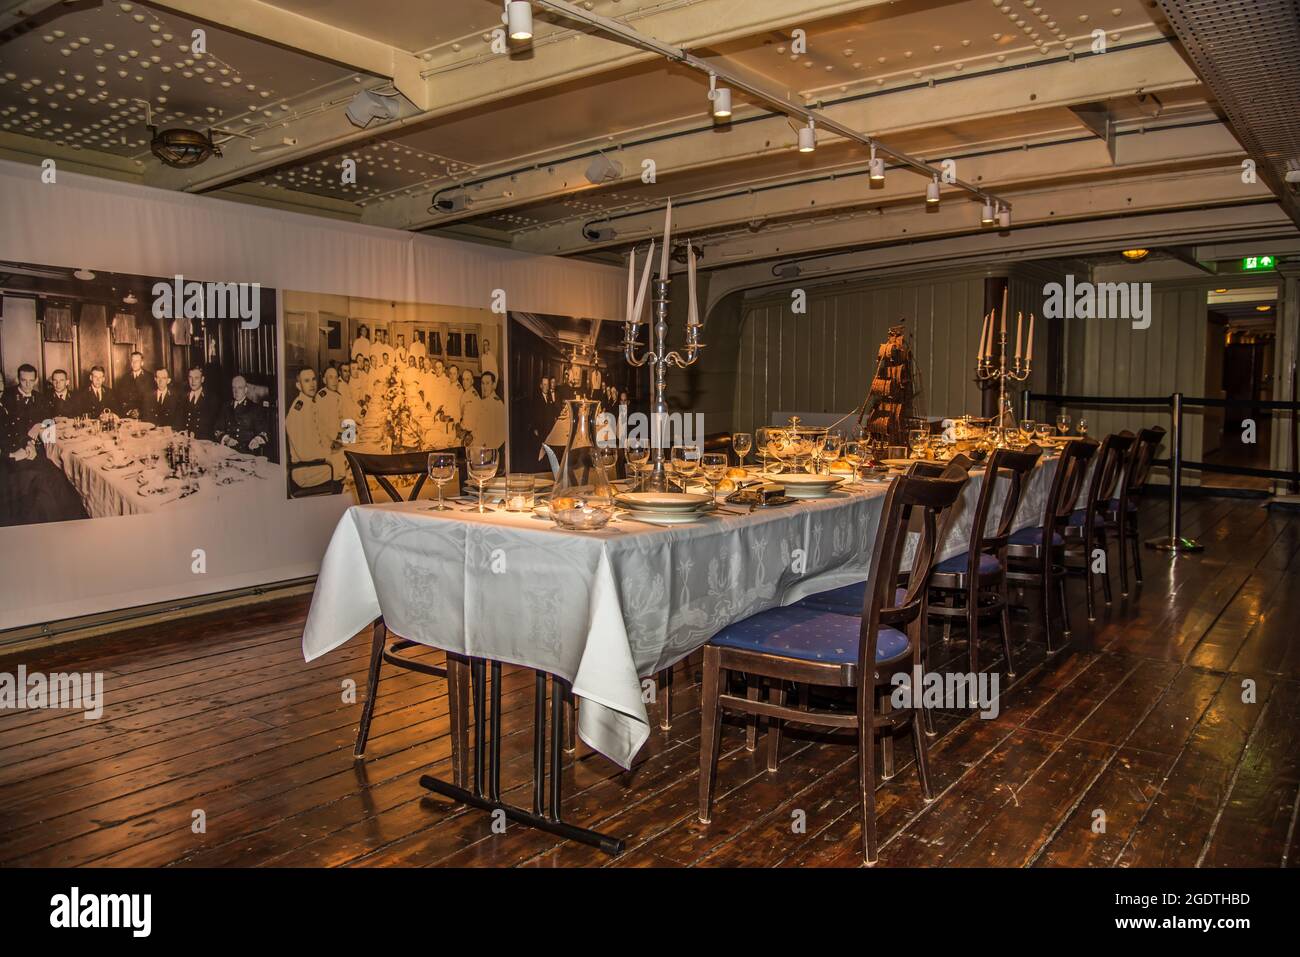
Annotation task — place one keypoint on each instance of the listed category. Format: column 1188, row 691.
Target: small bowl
column 583, row 518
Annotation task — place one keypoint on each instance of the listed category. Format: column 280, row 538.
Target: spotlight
column 1004, row 218
column 987, row 215
column 598, row 234
column 519, row 19
column 130, row 299
column 876, row 174
column 367, row 106
column 1263, row 308
column 452, row 202
column 84, row 274
column 603, row 170
column 1220, row 291
column 932, row 192
column 1135, row 255
column 720, row 97
column 808, row 138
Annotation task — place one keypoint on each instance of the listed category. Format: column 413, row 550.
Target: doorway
column 1241, row 334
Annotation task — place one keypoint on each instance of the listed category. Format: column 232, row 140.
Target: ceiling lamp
column 988, row 216
column 84, row 274
column 1220, row 291
column 368, row 105
column 1135, row 255
column 808, row 138
column 876, row 170
column 720, row 97
column 932, row 192
column 130, row 299
column 182, row 149
column 1263, row 308
column 1004, row 217
column 519, row 19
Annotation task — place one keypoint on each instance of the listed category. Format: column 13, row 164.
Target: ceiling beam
column 1036, row 84
column 486, row 78
column 1060, row 156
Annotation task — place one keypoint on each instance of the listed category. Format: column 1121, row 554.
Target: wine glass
column 1082, row 427
column 1027, row 429
column 714, row 467
column 637, row 452
column 831, row 443
column 1042, row 430
column 482, row 462
column 686, row 462
column 1063, row 423
column 856, row 453
column 917, row 440
column 742, row 442
column 442, row 469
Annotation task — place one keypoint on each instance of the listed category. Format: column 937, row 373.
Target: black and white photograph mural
column 378, row 376
column 554, row 358
column 126, row 394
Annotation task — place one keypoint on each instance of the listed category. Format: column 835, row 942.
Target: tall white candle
column 1029, row 353
column 1019, row 318
column 1005, row 290
column 693, row 310
column 984, row 335
column 668, row 226
column 631, row 284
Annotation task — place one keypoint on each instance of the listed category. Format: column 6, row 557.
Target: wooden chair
column 1035, row 556
column 973, row 586
column 808, row 645
column 383, row 468
column 1085, row 531
column 1121, row 513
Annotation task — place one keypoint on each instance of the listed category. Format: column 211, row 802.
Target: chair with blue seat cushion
column 847, row 599
column 1085, row 528
column 1029, row 561
column 972, row 586
column 814, row 646
column 1121, row 513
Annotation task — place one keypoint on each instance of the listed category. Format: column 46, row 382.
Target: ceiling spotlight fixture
column 932, row 192
column 1135, row 255
column 603, row 170
column 130, row 299
column 720, row 97
column 808, row 138
column 519, row 19
column 368, row 105
column 1221, row 291
column 84, row 274
column 1263, row 308
column 876, row 169
column 1004, row 217
column 599, row 234
column 452, row 202
column 988, row 216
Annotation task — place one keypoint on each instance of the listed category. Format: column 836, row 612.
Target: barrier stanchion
column 1175, row 543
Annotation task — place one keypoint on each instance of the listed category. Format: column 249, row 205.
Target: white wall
column 48, row 572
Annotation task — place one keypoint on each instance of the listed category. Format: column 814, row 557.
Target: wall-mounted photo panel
column 126, row 395
column 378, row 376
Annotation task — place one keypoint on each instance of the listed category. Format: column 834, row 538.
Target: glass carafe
column 583, row 497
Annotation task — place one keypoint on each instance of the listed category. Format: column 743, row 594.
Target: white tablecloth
column 105, row 491
column 600, row 609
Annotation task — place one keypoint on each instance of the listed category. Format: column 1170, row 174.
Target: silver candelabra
column 990, row 367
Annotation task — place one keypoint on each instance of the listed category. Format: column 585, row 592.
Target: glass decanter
column 583, row 497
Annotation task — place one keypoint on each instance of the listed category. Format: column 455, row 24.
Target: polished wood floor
column 1144, row 720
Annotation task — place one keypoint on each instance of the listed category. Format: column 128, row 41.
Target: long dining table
column 600, row 609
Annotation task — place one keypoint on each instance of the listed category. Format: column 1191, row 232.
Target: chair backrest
column 1071, row 470
column 1111, row 458
column 372, row 465
column 1139, row 463
column 1016, row 466
column 908, row 495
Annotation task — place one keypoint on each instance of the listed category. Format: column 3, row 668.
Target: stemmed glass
column 1027, row 429
column 637, row 452
column 917, row 440
column 856, row 453
column 442, row 469
column 1082, row 427
column 482, row 461
column 1063, row 423
column 1042, row 430
column 830, row 445
column 714, row 467
column 742, row 442
column 686, row 462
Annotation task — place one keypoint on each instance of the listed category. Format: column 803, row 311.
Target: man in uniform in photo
column 487, row 360
column 164, row 405
column 400, row 351
column 134, row 390
column 243, row 424
column 200, row 408
column 311, row 459
column 96, row 398
column 331, row 410
column 62, row 401
column 361, row 345
column 486, row 416
column 26, row 406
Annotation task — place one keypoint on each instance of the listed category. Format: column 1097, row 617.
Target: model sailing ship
column 891, row 401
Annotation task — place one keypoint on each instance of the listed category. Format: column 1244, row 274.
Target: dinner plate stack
column 664, row 508
column 803, row 485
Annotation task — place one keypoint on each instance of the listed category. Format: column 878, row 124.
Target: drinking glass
column 442, row 469
column 917, row 440
column 855, row 453
column 686, row 462
column 519, row 492
column 714, row 467
column 742, row 442
column 482, row 461
column 1082, row 427
column 1063, row 423
column 1027, row 429
column 1042, row 430
column 637, row 452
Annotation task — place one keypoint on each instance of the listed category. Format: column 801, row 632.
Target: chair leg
column 922, row 755
column 1105, row 568
column 1064, row 598
column 1004, row 620
column 1122, row 536
column 1135, row 538
column 372, row 687
column 776, row 695
column 887, row 769
column 1046, row 584
column 973, row 625
column 458, row 694
column 710, row 730
column 665, row 680
column 753, row 685
column 867, row 772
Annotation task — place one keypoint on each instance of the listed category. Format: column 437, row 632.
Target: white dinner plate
column 660, row 518
column 804, row 480
column 661, row 502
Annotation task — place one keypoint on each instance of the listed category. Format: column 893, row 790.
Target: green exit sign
column 1253, row 263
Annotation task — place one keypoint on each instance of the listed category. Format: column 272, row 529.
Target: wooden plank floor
column 1143, row 720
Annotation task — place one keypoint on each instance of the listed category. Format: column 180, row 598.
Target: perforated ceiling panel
column 1248, row 53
